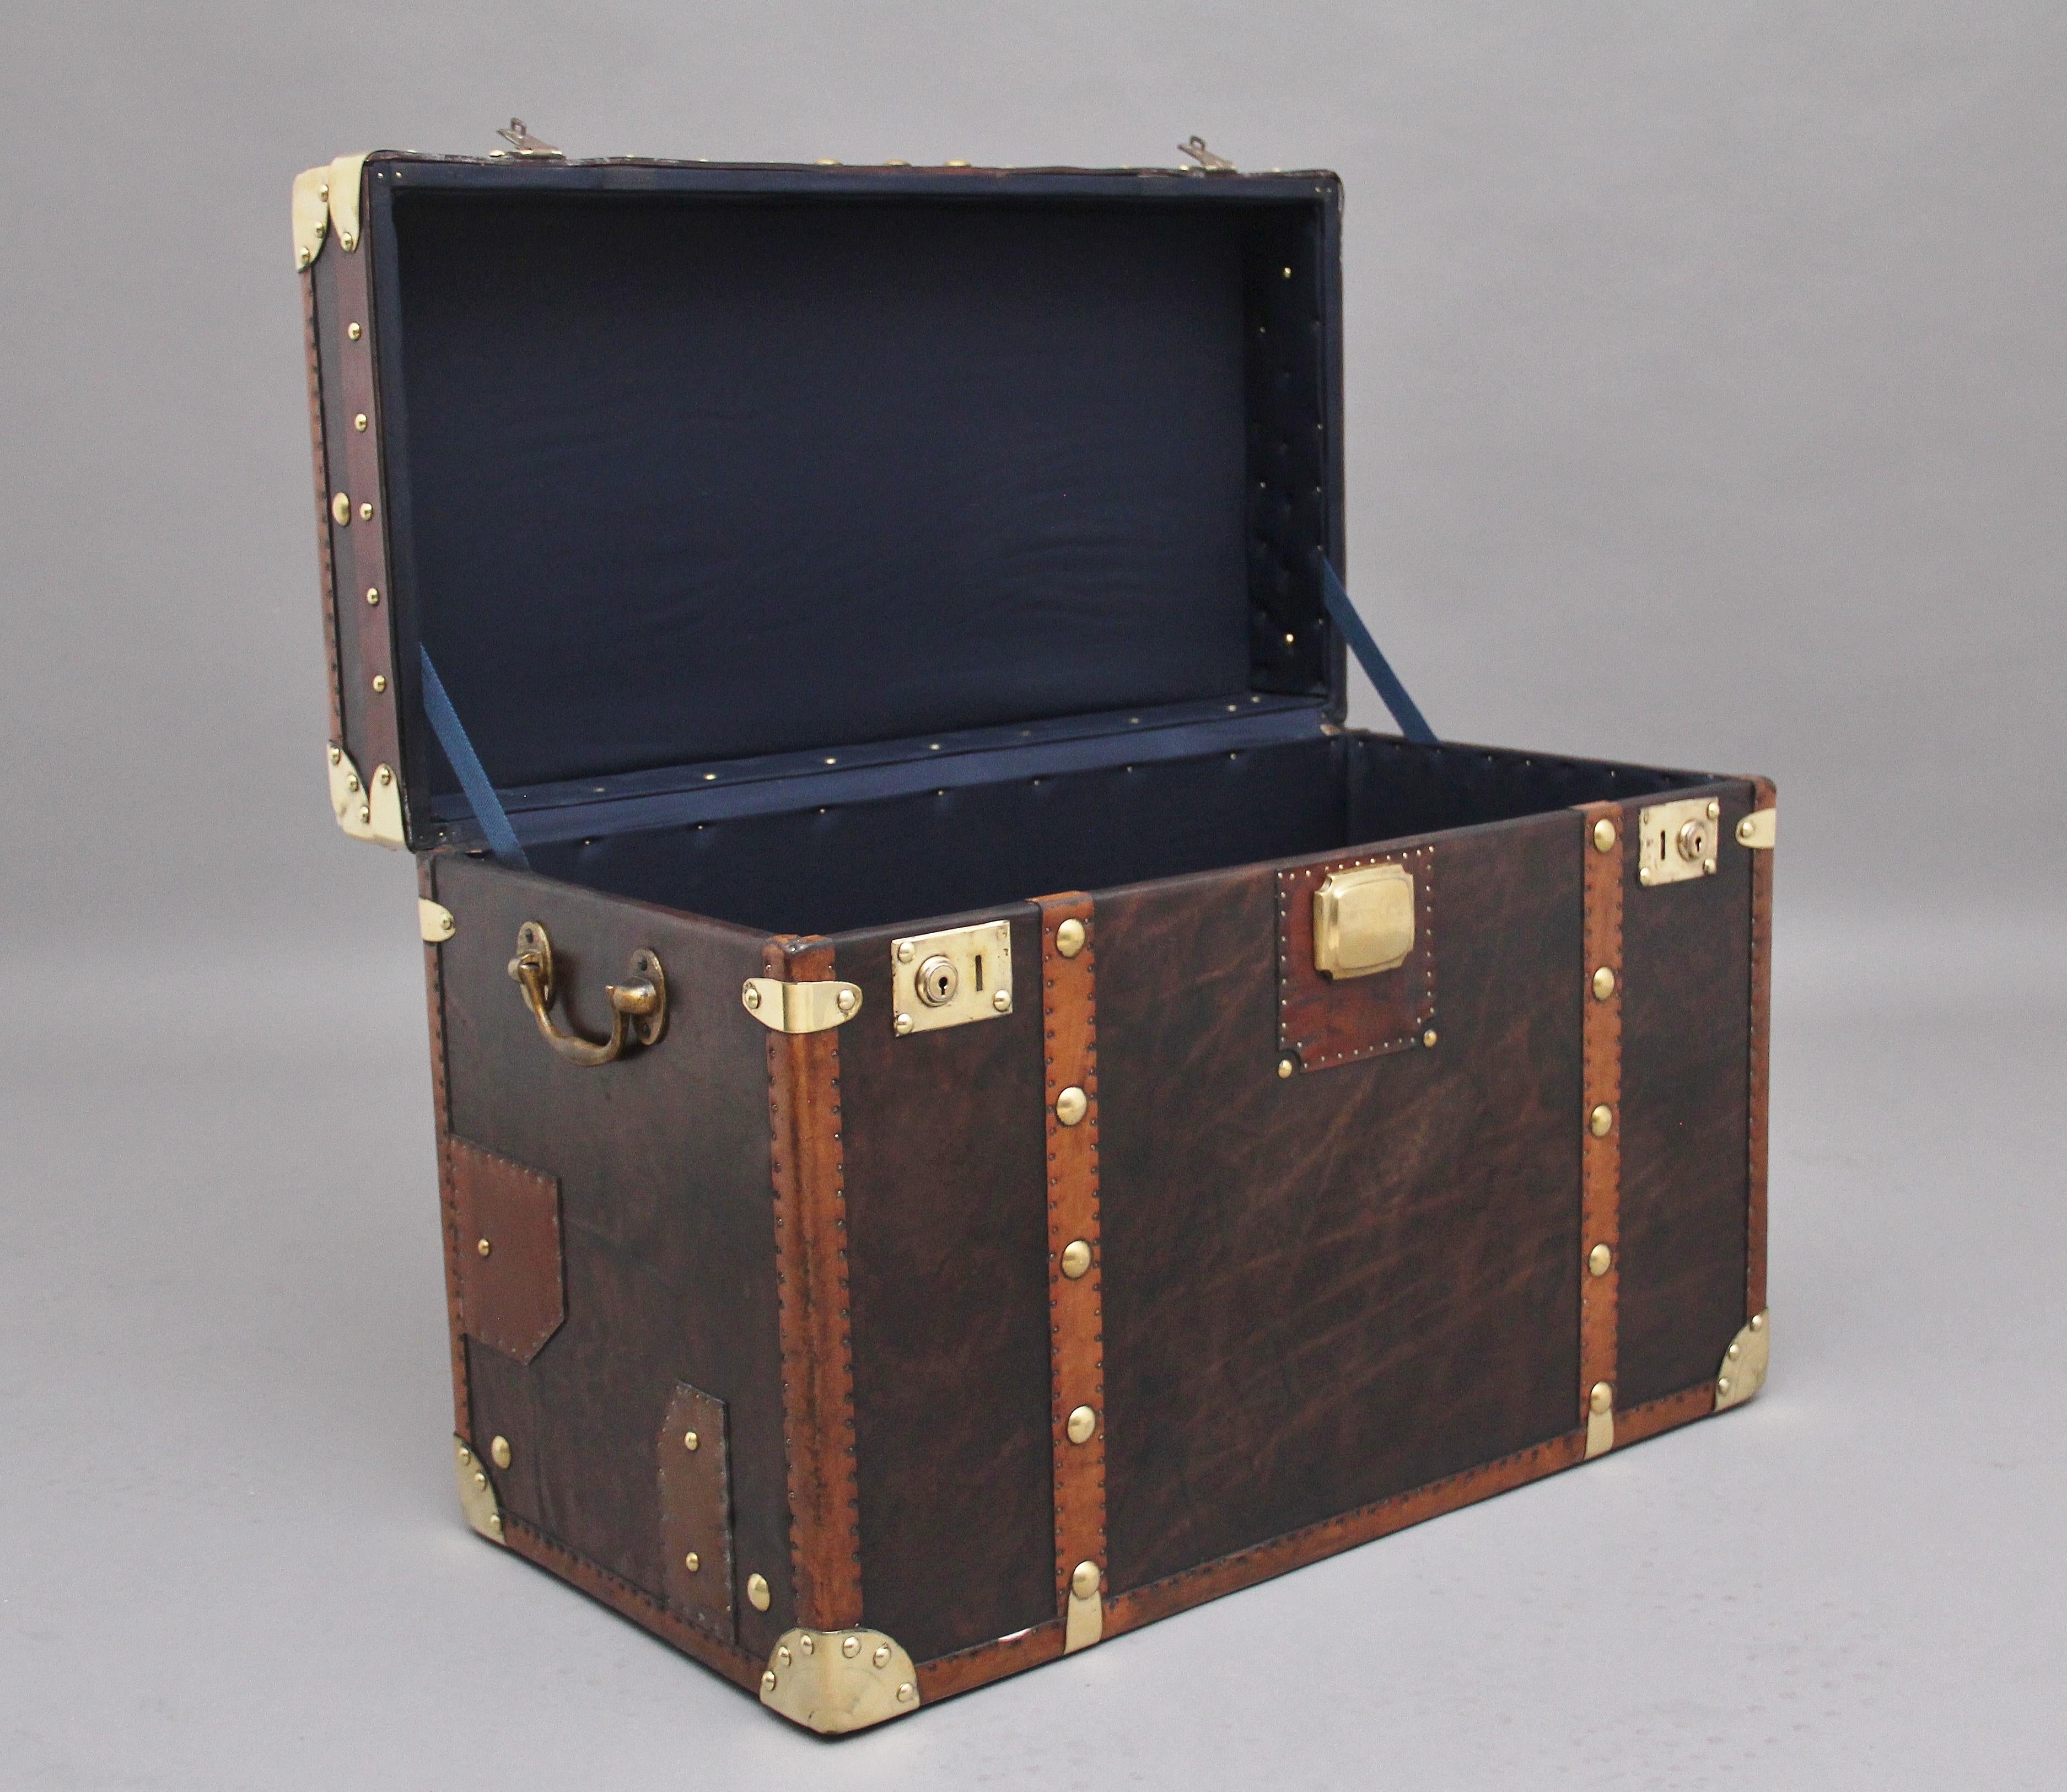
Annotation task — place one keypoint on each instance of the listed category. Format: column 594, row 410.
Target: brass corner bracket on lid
column 837, row 1680
column 366, row 809
column 326, row 203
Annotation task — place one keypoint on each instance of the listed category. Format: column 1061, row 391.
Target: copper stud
column 499, row 1451
column 352, row 330
column 1084, row 1580
column 1604, row 834
column 1082, row 1424
column 1070, row 937
column 1076, row 1258
column 1599, row 1260
column 689, row 1439
column 1602, row 1398
column 757, row 1592
column 1071, row 1105
column 1604, row 983
column 1600, row 1122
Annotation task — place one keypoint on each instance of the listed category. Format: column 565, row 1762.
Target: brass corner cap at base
column 326, row 203
column 1759, row 829
column 366, row 809
column 833, row 1681
column 799, row 1007
column 1742, row 1373
column 476, row 1491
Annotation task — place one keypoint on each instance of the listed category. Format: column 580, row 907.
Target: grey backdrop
column 1705, row 401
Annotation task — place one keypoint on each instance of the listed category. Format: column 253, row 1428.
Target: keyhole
column 937, row 981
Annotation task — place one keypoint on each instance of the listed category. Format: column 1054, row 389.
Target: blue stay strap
column 1383, row 679
column 480, row 794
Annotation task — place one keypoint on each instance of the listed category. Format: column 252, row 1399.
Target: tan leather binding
column 1601, row 1055
column 1761, row 1057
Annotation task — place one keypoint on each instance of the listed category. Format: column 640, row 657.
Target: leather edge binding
column 447, row 1204
column 1760, row 1068
column 1600, row 1183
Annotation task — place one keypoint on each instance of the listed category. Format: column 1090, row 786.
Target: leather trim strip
column 808, row 1172
column 1761, row 1058
column 632, row 1602
column 449, row 1211
column 1665, row 1413
column 1600, row 1157
column 1069, row 1022
column 322, row 461
column 967, row 1669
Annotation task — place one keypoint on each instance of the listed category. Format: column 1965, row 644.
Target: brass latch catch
column 1676, row 841
column 952, row 978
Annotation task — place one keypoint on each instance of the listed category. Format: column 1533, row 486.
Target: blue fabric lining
column 1375, row 666
column 495, row 827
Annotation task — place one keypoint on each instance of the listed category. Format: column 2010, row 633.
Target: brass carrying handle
column 637, row 1005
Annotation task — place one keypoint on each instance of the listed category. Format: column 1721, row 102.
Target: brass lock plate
column 1363, row 921
column 1677, row 841
column 950, row 979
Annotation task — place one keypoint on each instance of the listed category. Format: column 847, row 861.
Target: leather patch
column 808, row 1168
column 696, row 1509
column 1324, row 1021
column 512, row 1288
column 1600, row 1034
column 1761, row 1057
column 1069, row 1024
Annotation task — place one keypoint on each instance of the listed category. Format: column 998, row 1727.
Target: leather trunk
column 973, row 1113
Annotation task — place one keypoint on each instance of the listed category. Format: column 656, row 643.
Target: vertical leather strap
column 1761, row 1058
column 322, row 459
column 1069, row 1020
column 448, row 1204
column 1604, row 845
column 809, row 1170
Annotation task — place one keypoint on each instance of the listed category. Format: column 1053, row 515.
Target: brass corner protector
column 326, row 201
column 366, row 810
column 476, row 1491
column 833, row 1681
column 1743, row 1372
column 434, row 921
column 799, row 1007
column 1757, row 830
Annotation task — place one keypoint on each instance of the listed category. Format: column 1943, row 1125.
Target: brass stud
column 1604, row 983
column 757, row 1592
column 1600, row 1122
column 499, row 1451
column 340, row 510
column 365, row 513
column 380, row 681
column 1084, row 1580
column 881, row 1658
column 768, row 1681
column 692, row 1562
column 480, row 1480
column 352, row 330
column 337, row 756
column 1429, row 1038
column 1758, row 1322
column 1001, row 1000
column 347, row 241
column 1736, row 1349
column 1285, row 1066
column 383, row 776
column 1076, row 1258
column 482, row 1247
column 1715, row 811
column 904, row 1024
column 783, row 1656
column 359, row 422
column 808, row 1644
column 904, row 951
column 844, row 1001
column 1082, row 1424
column 1602, row 1398
column 1604, row 834
column 372, row 593
column 352, row 781
column 495, row 1523
column 689, row 1439
column 1070, row 937
column 1643, row 875
column 752, row 997
column 1708, row 868
column 1722, row 1384
column 466, row 1456
column 1599, row 1260
column 906, row 1693
column 1071, row 1105
column 850, row 1647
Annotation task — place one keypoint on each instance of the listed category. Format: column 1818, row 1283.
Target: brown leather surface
column 1763, row 797
column 1685, row 1115
column 667, row 1222
column 514, row 1298
column 696, row 1509
column 1320, row 1291
column 811, row 1282
column 448, row 1221
column 947, row 1240
column 635, row 1603
column 967, row 1669
column 1326, row 1022
column 1600, row 1159
column 1069, row 1025
column 323, row 503
column 1143, row 1605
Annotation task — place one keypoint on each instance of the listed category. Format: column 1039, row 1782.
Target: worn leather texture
column 1069, row 1028
column 1601, row 1045
column 696, row 1509
column 948, row 1244
column 1685, row 1114
column 1325, row 1022
column 667, row 1222
column 1322, row 1291
column 804, row 1104
column 512, row 1293
column 1763, row 797
column 447, row 1218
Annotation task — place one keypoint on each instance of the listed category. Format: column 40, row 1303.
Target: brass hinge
column 1757, row 829
column 1209, row 163
column 799, row 1007
column 326, row 199
column 476, row 1491
column 434, row 921
column 833, row 1681
column 523, row 143
column 1083, row 1622
column 1600, row 1419
column 1744, row 1366
column 366, row 812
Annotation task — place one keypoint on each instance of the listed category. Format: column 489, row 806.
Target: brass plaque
column 1363, row 921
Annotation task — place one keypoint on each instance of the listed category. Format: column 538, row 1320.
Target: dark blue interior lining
column 688, row 478
column 831, row 868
